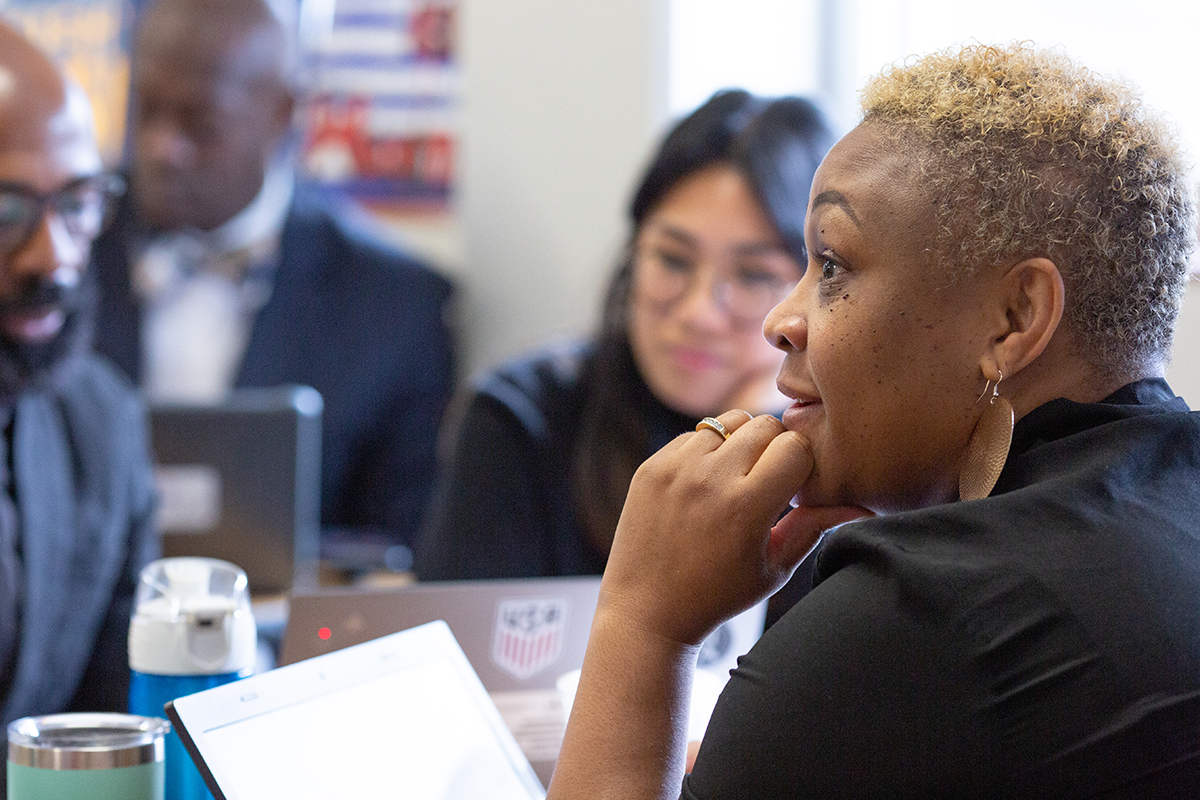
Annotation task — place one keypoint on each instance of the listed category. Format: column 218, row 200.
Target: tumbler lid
column 174, row 589
column 86, row 741
column 192, row 616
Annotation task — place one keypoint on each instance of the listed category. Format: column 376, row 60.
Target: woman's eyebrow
column 672, row 232
column 684, row 237
column 766, row 247
column 831, row 197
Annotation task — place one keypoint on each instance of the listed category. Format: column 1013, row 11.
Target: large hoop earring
column 987, row 449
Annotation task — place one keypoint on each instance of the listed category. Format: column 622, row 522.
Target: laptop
column 519, row 635
column 400, row 716
column 240, row 480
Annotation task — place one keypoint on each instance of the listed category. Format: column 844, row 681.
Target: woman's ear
column 1034, row 295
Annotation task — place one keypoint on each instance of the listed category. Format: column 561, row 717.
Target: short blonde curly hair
column 1029, row 154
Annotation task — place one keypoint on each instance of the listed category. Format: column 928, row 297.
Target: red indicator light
column 324, row 633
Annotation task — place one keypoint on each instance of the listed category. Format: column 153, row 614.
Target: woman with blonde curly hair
column 1007, row 610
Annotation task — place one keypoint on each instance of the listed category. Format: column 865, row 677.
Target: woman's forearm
column 697, row 542
column 628, row 729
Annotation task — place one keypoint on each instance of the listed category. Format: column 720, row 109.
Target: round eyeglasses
column 83, row 205
column 747, row 292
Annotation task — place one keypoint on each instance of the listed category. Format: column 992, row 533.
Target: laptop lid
column 400, row 716
column 519, row 635
column 240, row 480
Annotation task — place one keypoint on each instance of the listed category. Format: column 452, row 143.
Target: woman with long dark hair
column 539, row 471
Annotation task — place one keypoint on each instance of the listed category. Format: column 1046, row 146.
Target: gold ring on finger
column 712, row 423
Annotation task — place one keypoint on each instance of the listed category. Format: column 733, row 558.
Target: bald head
column 46, row 130
column 213, row 99
column 35, row 99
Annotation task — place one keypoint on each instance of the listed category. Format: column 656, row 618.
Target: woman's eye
column 828, row 269
column 752, row 277
column 674, row 262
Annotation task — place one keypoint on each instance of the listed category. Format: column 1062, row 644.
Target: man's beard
column 33, row 366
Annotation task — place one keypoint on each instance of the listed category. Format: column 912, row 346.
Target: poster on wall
column 380, row 119
column 89, row 38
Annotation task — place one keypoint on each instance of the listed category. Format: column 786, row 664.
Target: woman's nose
column 786, row 326
column 705, row 300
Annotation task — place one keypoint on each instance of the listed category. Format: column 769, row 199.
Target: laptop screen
column 401, row 716
column 240, row 480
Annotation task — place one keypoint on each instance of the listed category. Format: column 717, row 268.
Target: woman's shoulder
column 544, row 375
column 538, row 385
column 1059, row 601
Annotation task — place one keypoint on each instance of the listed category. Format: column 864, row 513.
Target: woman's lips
column 797, row 417
column 692, row 359
column 799, row 413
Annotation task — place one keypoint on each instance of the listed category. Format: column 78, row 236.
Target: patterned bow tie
column 168, row 261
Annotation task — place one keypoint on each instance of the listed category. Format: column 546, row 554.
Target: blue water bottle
column 191, row 629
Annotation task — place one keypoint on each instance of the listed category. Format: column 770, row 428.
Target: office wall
column 1184, row 371
column 561, row 103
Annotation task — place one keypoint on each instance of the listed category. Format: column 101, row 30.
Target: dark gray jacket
column 85, row 498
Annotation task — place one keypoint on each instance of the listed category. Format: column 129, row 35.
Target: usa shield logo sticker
column 528, row 635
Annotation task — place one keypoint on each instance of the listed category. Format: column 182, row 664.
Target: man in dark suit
column 220, row 271
column 77, row 497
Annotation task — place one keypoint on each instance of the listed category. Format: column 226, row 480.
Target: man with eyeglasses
column 77, row 499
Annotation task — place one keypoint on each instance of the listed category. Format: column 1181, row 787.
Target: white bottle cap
column 192, row 616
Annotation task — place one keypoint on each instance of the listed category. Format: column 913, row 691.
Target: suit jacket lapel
column 291, row 315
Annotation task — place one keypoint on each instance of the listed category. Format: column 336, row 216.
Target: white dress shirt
column 200, row 292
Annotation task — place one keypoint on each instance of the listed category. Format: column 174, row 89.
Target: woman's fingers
column 710, row 432
column 695, row 542
column 743, row 442
column 784, row 463
column 794, row 536
column 722, row 426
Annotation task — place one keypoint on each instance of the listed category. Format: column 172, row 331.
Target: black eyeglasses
column 83, row 205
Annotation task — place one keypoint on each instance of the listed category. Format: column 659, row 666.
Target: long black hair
column 776, row 146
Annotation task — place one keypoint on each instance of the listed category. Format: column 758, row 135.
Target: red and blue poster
column 380, row 120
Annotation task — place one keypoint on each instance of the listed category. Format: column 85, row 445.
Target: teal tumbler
column 97, row 756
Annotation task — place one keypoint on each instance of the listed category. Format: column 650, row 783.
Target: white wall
column 1184, row 372
column 562, row 103
column 764, row 46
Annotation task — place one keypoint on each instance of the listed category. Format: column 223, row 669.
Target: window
column 831, row 47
